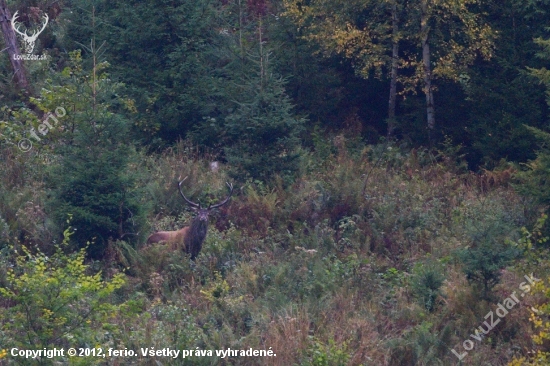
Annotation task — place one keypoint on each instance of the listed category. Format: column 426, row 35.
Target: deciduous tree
column 427, row 39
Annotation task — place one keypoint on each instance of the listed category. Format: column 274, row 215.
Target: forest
column 275, row 182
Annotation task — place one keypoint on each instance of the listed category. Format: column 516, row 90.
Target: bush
column 488, row 227
column 326, row 354
column 426, row 284
column 53, row 302
column 482, row 264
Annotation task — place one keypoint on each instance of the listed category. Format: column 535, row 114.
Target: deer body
column 190, row 238
column 173, row 238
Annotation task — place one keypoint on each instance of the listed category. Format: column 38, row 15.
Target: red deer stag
column 191, row 237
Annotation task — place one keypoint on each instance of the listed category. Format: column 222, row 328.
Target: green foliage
column 532, row 244
column 393, row 276
column 497, row 133
column 482, row 263
column 14, row 125
column 161, row 51
column 262, row 132
column 487, row 228
column 53, row 301
column 217, row 289
column 22, row 214
column 319, row 258
column 315, row 254
column 539, row 319
column 326, row 354
column 94, row 181
column 535, row 180
column 260, row 135
column 393, row 39
column 534, row 238
column 543, row 74
column 153, row 325
column 426, row 284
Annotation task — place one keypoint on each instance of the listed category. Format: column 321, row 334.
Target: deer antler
column 225, row 200
column 192, row 204
column 198, row 205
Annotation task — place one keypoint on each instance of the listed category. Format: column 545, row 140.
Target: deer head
column 29, row 40
column 191, row 237
column 202, row 213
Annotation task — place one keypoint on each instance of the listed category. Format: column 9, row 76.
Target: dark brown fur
column 190, row 238
column 195, row 237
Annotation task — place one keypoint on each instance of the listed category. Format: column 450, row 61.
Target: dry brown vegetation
column 333, row 270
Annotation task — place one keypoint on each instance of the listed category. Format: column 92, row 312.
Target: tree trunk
column 424, row 34
column 14, row 53
column 393, row 73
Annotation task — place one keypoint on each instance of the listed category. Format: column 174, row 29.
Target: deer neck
column 195, row 236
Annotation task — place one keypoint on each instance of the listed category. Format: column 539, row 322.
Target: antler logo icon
column 29, row 40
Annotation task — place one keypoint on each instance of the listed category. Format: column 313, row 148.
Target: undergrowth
column 375, row 255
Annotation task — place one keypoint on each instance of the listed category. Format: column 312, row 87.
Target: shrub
column 326, row 354
column 482, row 263
column 488, row 226
column 535, row 181
column 53, row 302
column 539, row 318
column 426, row 284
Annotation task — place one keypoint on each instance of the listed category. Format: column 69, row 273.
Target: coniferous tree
column 255, row 127
column 262, row 134
column 160, row 51
column 94, row 182
column 500, row 95
column 536, row 180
